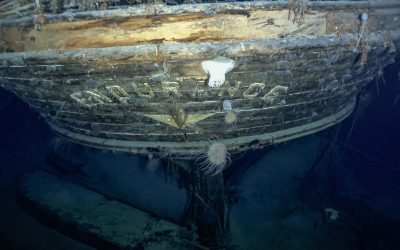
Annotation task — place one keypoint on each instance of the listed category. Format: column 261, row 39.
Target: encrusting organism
column 364, row 19
column 230, row 118
column 227, row 105
column 215, row 159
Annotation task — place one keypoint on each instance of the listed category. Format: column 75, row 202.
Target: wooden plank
column 188, row 150
column 187, row 28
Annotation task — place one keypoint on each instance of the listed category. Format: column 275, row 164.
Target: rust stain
column 83, row 43
column 202, row 36
column 160, row 60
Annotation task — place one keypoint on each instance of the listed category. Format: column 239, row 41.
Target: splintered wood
column 193, row 27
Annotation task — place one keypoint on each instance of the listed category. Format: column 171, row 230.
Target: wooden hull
column 128, row 91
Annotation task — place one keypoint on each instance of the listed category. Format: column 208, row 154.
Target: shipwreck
column 172, row 81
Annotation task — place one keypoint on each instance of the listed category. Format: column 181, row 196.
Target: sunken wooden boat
column 165, row 79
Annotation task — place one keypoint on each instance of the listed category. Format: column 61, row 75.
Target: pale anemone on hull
column 230, row 118
column 215, row 159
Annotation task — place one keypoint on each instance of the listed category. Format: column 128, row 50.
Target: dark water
column 285, row 197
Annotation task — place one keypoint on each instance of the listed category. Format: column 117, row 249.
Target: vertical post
column 208, row 209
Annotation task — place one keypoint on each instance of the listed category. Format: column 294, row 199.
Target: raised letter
column 147, row 87
column 231, row 90
column 118, row 93
column 253, row 90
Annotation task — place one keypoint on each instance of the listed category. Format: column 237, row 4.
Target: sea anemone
column 215, row 159
column 230, row 118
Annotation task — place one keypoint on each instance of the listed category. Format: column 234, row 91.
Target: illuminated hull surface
column 136, row 79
